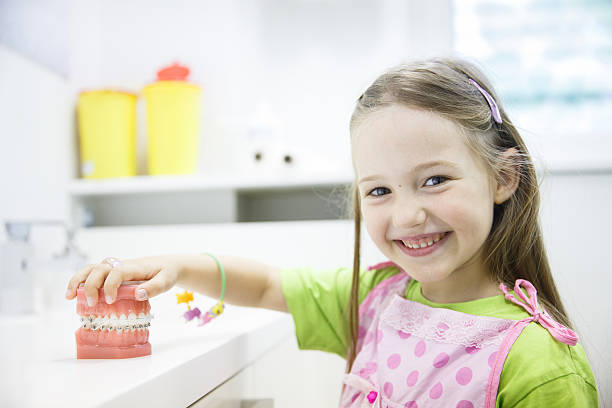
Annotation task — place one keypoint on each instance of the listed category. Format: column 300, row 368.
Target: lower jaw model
column 117, row 330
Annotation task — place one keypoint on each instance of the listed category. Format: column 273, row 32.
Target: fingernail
column 109, row 299
column 141, row 294
column 90, row 301
column 68, row 293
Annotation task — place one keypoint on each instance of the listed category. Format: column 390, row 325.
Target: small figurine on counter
column 214, row 311
column 191, row 314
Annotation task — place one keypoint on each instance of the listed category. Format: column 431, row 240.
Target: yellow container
column 173, row 126
column 107, row 133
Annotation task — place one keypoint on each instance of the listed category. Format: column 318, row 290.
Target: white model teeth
column 424, row 243
column 121, row 323
column 113, row 322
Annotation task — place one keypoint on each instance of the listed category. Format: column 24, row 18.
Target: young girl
column 465, row 313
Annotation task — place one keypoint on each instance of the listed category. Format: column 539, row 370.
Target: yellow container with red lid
column 173, row 122
column 107, row 133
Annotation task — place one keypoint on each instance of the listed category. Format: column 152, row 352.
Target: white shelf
column 182, row 183
column 181, row 199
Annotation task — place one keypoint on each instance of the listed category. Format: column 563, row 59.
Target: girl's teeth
column 423, row 244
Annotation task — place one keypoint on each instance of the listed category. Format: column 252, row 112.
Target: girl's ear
column 511, row 175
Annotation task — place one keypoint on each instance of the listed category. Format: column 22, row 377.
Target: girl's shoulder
column 380, row 272
column 539, row 366
column 375, row 276
column 304, row 281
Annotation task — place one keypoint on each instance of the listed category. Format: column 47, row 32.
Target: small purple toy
column 191, row 314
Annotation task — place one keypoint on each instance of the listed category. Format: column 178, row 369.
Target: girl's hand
column 159, row 273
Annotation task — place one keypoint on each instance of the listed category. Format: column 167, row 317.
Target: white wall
column 576, row 222
column 36, row 128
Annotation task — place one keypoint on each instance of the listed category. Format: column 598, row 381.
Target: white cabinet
column 283, row 377
column 234, row 393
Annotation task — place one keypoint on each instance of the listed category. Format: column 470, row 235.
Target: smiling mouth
column 423, row 248
column 424, row 243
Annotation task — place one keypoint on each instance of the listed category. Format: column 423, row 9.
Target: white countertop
column 38, row 365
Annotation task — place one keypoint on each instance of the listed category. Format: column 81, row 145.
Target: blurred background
column 266, row 90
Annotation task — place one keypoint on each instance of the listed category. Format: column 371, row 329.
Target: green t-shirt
column 539, row 371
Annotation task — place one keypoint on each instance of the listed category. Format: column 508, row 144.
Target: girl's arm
column 248, row 282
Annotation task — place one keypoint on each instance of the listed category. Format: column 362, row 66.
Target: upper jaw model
column 117, row 330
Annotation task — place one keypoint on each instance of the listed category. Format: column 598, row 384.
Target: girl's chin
column 424, row 277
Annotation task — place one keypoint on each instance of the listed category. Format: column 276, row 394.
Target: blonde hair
column 514, row 246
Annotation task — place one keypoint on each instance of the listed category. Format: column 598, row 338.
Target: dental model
column 117, row 330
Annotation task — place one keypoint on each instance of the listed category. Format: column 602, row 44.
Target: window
column 551, row 63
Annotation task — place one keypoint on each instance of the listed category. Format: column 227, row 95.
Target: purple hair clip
column 490, row 101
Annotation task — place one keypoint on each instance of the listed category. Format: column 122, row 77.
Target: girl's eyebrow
column 416, row 168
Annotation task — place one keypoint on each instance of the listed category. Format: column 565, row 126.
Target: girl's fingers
column 103, row 274
column 94, row 282
column 126, row 271
column 112, row 283
column 161, row 282
column 77, row 279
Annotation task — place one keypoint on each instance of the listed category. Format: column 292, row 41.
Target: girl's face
column 403, row 197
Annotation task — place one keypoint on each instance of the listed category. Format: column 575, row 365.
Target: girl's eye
column 437, row 181
column 438, row 178
column 376, row 189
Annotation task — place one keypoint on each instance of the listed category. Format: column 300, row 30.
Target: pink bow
column 557, row 330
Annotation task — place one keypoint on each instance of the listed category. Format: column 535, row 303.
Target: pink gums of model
column 117, row 330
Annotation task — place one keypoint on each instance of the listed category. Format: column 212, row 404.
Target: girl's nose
column 408, row 214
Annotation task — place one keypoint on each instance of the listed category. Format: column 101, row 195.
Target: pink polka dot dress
column 411, row 355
